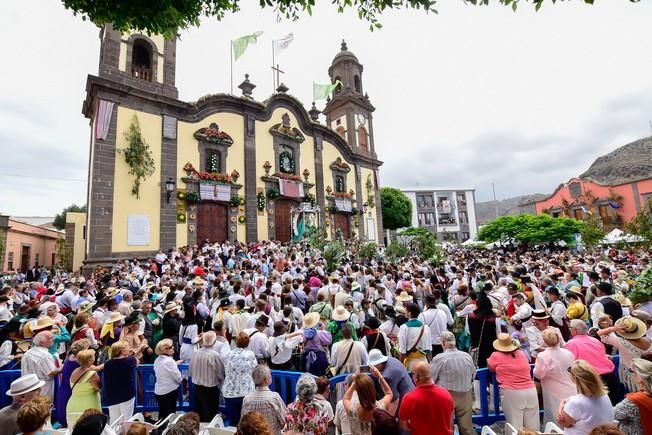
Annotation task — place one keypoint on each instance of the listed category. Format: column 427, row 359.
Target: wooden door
column 282, row 221
column 212, row 222
column 342, row 222
column 24, row 258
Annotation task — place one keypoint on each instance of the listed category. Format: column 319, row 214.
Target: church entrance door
column 212, row 222
column 282, row 222
column 342, row 222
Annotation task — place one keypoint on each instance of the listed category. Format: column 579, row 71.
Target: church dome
column 344, row 54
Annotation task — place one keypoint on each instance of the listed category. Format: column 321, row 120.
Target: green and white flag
column 240, row 45
column 321, row 92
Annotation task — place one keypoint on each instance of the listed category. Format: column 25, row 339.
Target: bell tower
column 147, row 62
column 350, row 111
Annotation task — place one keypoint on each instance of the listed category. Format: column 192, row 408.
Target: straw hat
column 85, row 307
column 310, row 320
column 42, row 323
column 114, row 317
column 24, row 384
column 540, row 315
column 400, row 309
column 340, row 314
column 404, row 297
column 504, row 343
column 111, row 291
column 633, row 328
column 60, row 289
column 170, row 307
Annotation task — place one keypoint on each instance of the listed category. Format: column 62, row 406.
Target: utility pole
column 493, row 187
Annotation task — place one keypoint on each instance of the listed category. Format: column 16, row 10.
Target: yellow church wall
column 126, row 204
column 182, row 234
column 188, row 151
column 365, row 173
column 159, row 70
column 263, row 229
column 329, row 155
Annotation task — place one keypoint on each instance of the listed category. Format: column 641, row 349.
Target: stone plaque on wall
column 169, row 127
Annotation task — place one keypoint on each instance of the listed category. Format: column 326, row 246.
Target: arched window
column 286, row 163
column 340, row 130
column 141, row 60
column 340, row 183
column 362, row 139
column 338, row 89
column 356, row 83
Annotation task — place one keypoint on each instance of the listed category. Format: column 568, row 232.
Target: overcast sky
column 463, row 98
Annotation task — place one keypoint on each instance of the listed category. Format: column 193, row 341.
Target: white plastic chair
column 221, row 430
column 551, row 427
column 510, row 430
column 115, row 426
column 216, row 422
column 136, row 418
column 487, row 430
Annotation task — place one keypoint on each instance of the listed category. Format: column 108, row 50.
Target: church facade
column 225, row 167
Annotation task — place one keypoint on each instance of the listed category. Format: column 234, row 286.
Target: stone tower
column 350, row 111
column 141, row 61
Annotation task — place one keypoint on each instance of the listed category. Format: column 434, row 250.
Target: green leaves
column 530, row 230
column 423, row 243
column 642, row 290
column 396, row 208
column 138, row 156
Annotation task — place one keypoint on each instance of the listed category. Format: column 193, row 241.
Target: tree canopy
column 397, row 208
column 641, row 226
column 167, row 17
column 60, row 219
column 531, row 230
column 423, row 243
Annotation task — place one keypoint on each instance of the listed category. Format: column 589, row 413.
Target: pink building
column 615, row 204
column 24, row 244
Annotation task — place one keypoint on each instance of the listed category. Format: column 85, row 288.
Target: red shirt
column 429, row 409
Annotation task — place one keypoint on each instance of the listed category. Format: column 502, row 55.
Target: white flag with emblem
column 282, row 44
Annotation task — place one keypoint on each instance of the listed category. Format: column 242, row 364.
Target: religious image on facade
column 224, row 167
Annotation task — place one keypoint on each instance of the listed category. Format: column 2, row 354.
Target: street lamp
column 365, row 207
column 170, row 185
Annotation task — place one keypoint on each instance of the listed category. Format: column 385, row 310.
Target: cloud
column 468, row 97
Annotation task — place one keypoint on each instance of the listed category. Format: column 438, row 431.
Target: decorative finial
column 282, row 88
column 366, row 95
column 314, row 113
column 344, row 47
column 247, row 87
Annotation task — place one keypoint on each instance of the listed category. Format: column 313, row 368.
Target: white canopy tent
column 619, row 236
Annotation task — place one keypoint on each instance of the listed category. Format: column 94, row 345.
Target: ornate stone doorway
column 212, row 222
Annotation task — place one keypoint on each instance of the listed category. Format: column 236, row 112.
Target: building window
column 362, row 139
column 10, row 261
column 54, row 259
column 356, row 83
column 141, row 60
column 213, row 161
column 36, row 258
column 603, row 210
column 461, row 198
column 286, row 162
column 430, row 219
column 422, row 219
column 338, row 89
column 464, row 218
column 466, row 236
column 578, row 214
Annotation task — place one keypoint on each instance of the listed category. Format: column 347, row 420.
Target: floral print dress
column 307, row 418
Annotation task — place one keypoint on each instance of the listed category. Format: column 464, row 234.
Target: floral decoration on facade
column 273, row 193
column 290, row 177
column 235, row 175
column 284, row 129
column 260, row 201
column 309, row 198
column 213, row 134
column 371, row 197
column 192, row 197
column 235, row 201
column 241, row 219
column 342, row 195
column 214, row 176
column 340, row 165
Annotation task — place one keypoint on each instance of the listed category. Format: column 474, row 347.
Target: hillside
column 628, row 163
column 486, row 211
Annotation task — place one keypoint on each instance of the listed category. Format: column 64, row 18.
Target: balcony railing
column 142, row 73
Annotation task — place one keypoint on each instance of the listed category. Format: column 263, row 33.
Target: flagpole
column 273, row 64
column 231, row 67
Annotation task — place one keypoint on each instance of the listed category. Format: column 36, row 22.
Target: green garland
column 310, row 198
column 138, row 156
column 235, row 201
column 260, row 201
column 192, row 197
column 273, row 193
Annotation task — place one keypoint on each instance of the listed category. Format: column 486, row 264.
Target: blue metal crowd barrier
column 283, row 382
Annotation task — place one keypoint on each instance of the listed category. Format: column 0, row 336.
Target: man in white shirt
column 414, row 340
column 534, row 333
column 40, row 362
column 523, row 310
column 436, row 320
column 258, row 338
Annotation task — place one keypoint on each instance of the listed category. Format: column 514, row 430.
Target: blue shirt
column 397, row 378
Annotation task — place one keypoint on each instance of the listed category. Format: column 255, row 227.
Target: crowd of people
column 410, row 336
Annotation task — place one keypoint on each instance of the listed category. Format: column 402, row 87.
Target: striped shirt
column 38, row 361
column 453, row 370
column 269, row 404
column 206, row 368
